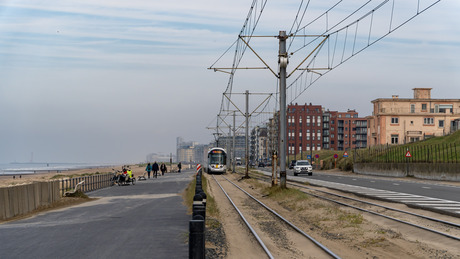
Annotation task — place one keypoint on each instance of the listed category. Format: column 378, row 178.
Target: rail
column 295, row 228
column 91, row 182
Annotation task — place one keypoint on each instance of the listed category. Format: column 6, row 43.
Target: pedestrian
column 179, row 166
column 155, row 169
column 148, row 169
column 163, row 168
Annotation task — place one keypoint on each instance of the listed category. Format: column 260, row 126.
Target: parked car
column 292, row 164
column 261, row 164
column 303, row 167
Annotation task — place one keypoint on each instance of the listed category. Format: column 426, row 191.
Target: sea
column 33, row 168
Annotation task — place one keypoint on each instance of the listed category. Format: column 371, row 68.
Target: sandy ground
column 347, row 232
column 8, row 180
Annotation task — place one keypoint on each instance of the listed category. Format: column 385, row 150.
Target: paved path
column 147, row 220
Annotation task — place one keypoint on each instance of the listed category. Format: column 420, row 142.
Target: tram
column 217, row 159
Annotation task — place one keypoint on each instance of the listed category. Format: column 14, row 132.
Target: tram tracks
column 275, row 234
column 444, row 228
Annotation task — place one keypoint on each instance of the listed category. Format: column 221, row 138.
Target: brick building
column 311, row 127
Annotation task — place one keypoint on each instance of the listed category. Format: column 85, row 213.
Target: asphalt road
column 440, row 190
column 147, row 220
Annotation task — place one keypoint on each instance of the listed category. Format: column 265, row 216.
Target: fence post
column 455, row 146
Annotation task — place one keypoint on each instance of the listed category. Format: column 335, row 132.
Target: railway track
column 275, row 234
column 443, row 228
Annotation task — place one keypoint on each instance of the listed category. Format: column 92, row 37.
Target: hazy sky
column 111, row 81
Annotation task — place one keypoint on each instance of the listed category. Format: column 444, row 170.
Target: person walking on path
column 163, row 168
column 148, row 169
column 179, row 166
column 155, row 169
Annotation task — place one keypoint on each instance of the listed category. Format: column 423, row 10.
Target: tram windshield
column 217, row 157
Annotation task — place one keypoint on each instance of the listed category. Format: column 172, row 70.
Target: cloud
column 98, row 81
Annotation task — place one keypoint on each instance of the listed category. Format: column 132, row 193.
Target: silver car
column 303, row 167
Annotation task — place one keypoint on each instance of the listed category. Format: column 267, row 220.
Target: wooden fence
column 22, row 199
column 92, row 182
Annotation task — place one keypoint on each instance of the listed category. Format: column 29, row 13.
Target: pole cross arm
column 265, row 63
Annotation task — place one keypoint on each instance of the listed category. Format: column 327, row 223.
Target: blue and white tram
column 217, row 159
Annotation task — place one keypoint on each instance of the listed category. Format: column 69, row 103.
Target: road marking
column 372, row 181
column 426, row 187
column 428, row 200
column 447, row 208
column 395, row 183
column 439, row 204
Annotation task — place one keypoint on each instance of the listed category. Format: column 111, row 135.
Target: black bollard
column 197, row 200
column 199, row 210
column 198, row 187
column 196, row 244
column 203, row 196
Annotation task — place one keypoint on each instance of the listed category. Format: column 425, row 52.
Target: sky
column 112, row 81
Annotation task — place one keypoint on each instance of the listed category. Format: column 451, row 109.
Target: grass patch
column 211, row 206
column 78, row 194
column 373, row 242
column 290, row 198
column 278, row 193
column 351, row 219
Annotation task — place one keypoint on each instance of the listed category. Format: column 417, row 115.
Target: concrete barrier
column 428, row 171
column 22, row 199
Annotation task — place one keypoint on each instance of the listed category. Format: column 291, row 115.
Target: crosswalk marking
column 448, row 208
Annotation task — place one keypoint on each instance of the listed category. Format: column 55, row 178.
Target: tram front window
column 216, row 159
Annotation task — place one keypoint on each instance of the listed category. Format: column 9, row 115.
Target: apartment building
column 259, row 147
column 311, row 127
column 401, row 120
column 346, row 130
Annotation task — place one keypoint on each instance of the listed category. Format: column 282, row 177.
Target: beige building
column 401, row 120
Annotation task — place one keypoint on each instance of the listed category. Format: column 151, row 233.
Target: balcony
column 414, row 133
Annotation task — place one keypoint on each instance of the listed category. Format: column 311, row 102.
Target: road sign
column 345, row 154
column 408, row 154
column 316, row 156
column 336, row 156
column 198, row 167
column 308, row 157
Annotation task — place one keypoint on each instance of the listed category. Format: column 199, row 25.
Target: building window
column 394, row 120
column 394, row 139
column 428, row 121
column 423, row 107
column 441, row 123
column 412, row 108
column 414, row 139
